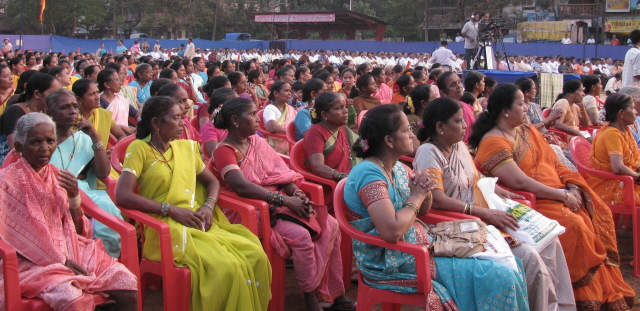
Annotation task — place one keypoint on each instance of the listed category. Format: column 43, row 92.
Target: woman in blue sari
column 82, row 153
column 384, row 197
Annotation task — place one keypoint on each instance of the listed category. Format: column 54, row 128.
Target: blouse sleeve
column 493, row 153
column 225, row 160
column 314, row 141
column 269, row 113
column 612, row 143
column 427, row 158
column 371, row 187
column 590, row 104
column 134, row 158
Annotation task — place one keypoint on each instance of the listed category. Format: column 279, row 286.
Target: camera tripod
column 486, row 49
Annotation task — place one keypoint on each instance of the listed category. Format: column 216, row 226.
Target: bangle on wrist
column 412, row 206
column 295, row 192
column 211, row 199
column 208, row 205
column 429, row 198
column 164, row 208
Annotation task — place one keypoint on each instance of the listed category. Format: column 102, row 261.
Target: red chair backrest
column 11, row 157
column 118, row 153
column 112, row 141
column 195, row 122
column 261, row 122
column 580, row 151
column 292, row 137
column 545, row 113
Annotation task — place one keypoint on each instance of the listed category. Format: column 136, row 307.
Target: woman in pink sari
column 277, row 115
column 248, row 166
column 58, row 261
column 450, row 85
column 109, row 85
column 384, row 91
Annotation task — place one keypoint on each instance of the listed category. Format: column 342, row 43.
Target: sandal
column 345, row 305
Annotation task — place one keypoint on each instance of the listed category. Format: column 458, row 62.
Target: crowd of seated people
column 407, row 137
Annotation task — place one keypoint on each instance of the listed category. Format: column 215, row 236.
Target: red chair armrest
column 314, row 191
column 111, row 184
column 435, row 216
column 128, row 237
column 12, row 300
column 164, row 233
column 246, row 211
column 265, row 218
column 626, row 180
column 528, row 196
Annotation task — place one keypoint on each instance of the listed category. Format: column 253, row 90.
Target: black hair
column 275, row 87
column 297, row 86
column 324, row 102
column 322, row 75
column 114, row 66
column 471, row 79
column 403, row 81
column 233, row 107
column 378, row 122
column 253, row 74
column 300, row 71
column 419, row 94
column 37, row 82
column 569, row 87
column 363, row 81
column 614, row 103
column 104, row 76
column 397, row 69
column 56, row 70
column 176, row 66
column 24, row 77
column 589, row 81
column 489, row 82
column 501, row 98
column 468, row 98
column 313, row 85
column 438, row 110
column 375, row 72
column 166, row 73
column 168, row 90
column 435, row 73
column 215, row 83
column 154, row 107
column 635, row 36
column 525, row 84
column 219, row 97
column 234, row 77
column 282, row 71
column 90, row 70
column 14, row 61
column 416, row 74
column 81, row 86
column 362, row 68
column 157, row 84
column 211, row 69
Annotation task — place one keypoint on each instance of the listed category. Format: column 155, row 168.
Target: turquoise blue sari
column 75, row 160
column 473, row 284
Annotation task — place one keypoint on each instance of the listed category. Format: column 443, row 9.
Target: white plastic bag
column 535, row 229
column 496, row 249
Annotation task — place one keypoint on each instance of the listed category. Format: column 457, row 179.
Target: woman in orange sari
column 402, row 88
column 615, row 150
column 523, row 160
column 366, row 86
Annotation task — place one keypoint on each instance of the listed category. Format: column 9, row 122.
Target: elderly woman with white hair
column 634, row 92
column 81, row 152
column 42, row 219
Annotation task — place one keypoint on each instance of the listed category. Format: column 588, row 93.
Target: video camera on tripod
column 490, row 30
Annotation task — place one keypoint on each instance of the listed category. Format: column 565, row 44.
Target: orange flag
column 170, row 50
column 42, row 7
column 78, row 52
column 238, row 58
column 111, row 51
column 408, row 65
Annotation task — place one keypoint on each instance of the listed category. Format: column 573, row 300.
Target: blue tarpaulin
column 504, row 76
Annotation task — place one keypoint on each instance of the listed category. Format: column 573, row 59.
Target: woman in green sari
column 82, row 153
column 229, row 269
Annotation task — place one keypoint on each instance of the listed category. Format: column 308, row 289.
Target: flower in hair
column 420, row 124
column 314, row 115
column 364, row 144
column 139, row 119
column 412, row 108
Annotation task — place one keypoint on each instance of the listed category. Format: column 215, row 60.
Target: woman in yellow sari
column 277, row 115
column 615, row 150
column 88, row 97
column 523, row 160
column 229, row 269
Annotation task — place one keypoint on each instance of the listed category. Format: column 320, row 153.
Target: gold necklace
column 390, row 176
column 338, row 141
column 73, row 152
column 164, row 160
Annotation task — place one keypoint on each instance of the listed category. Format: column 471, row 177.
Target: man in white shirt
column 566, row 39
column 544, row 66
column 591, row 40
column 190, row 51
column 470, row 33
column 442, row 55
column 631, row 69
column 459, row 38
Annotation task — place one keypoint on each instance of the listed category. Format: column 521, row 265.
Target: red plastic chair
column 195, row 122
column 112, row 141
column 278, row 264
column 128, row 257
column 369, row 296
column 177, row 280
column 562, row 134
column 292, row 137
column 118, row 153
column 581, row 152
column 361, row 117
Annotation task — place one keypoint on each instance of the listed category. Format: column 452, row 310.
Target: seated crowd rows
column 418, row 140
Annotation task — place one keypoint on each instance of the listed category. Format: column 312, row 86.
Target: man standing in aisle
column 190, row 51
column 470, row 34
column 443, row 56
column 631, row 69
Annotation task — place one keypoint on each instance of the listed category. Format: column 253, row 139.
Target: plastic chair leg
column 346, row 254
column 636, row 241
column 388, row 306
column 625, row 221
column 279, row 274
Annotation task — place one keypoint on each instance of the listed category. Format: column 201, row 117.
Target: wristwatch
column 97, row 146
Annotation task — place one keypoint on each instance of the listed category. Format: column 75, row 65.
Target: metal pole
column 350, row 5
column 426, row 20
column 21, row 22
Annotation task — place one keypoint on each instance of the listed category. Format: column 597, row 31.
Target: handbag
column 312, row 225
column 460, row 238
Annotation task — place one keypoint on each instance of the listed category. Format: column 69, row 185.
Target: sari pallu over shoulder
column 589, row 242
